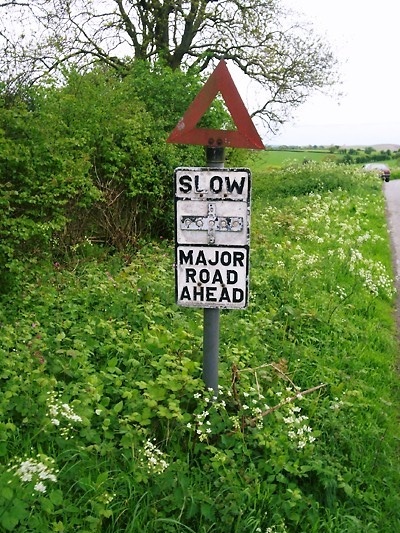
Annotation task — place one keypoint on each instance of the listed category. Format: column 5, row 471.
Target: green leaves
column 88, row 162
column 13, row 515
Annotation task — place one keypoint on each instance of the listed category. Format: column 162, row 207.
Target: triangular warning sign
column 245, row 136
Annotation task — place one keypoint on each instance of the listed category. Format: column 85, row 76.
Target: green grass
column 277, row 158
column 98, row 344
column 273, row 159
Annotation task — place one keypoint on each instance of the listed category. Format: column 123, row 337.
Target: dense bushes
column 42, row 172
column 89, row 160
column 123, row 130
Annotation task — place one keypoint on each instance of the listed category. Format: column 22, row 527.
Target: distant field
column 276, row 158
column 266, row 159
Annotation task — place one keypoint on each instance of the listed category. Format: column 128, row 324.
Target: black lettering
column 231, row 277
column 185, row 183
column 210, row 297
column 204, row 275
column 224, row 295
column 238, row 258
column 216, row 184
column 196, row 184
column 238, row 295
column 216, row 256
column 185, row 295
column 226, row 258
column 235, row 185
column 198, row 293
column 217, row 278
column 190, row 275
column 186, row 258
column 201, row 258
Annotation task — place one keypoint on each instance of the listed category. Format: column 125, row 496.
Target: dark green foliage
column 89, row 161
column 42, row 172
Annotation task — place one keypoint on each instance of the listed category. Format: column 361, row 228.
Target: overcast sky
column 366, row 38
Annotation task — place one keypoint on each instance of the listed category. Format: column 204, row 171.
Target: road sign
column 245, row 136
column 212, row 223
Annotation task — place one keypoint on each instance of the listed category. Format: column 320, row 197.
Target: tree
column 347, row 159
column 285, row 56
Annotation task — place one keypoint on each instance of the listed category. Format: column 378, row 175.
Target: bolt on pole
column 215, row 159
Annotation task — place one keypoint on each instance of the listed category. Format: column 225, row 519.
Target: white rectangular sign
column 213, row 183
column 212, row 276
column 212, row 224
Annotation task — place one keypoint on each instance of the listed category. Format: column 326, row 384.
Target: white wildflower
column 59, row 411
column 37, row 470
column 40, row 487
column 156, row 464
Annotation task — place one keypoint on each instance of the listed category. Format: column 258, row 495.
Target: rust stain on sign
column 245, row 136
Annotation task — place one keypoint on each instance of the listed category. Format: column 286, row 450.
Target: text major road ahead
column 212, row 276
column 212, row 216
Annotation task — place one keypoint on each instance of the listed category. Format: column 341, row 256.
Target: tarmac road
column 392, row 195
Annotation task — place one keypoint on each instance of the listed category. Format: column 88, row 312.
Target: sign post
column 215, row 159
column 212, row 227
column 212, row 217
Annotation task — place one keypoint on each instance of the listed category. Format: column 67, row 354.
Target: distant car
column 383, row 171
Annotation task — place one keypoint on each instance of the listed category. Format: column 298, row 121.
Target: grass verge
column 105, row 425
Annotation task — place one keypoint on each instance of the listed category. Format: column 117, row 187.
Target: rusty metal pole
column 215, row 159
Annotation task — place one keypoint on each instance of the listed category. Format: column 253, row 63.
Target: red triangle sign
column 245, row 136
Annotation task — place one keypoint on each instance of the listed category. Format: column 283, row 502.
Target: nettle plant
column 255, row 436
